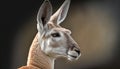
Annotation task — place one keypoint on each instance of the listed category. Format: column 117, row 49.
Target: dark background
column 14, row 14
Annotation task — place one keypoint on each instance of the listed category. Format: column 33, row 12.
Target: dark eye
column 55, row 35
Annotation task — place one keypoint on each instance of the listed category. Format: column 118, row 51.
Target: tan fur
column 33, row 61
column 28, row 67
column 52, row 41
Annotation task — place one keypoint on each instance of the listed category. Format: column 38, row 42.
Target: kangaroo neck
column 37, row 58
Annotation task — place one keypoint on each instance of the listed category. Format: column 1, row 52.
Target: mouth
column 71, row 58
column 72, row 55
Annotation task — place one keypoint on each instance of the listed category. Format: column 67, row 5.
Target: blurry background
column 94, row 25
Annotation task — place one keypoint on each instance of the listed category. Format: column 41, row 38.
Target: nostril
column 75, row 49
column 78, row 51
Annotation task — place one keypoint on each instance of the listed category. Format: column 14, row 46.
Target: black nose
column 78, row 51
column 75, row 49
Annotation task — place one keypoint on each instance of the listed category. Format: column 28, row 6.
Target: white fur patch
column 72, row 55
column 59, row 50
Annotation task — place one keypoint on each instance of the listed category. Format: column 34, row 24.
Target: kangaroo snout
column 75, row 48
column 74, row 52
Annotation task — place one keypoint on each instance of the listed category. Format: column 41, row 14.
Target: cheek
column 52, row 43
column 46, row 48
column 57, row 39
column 56, row 42
column 45, row 45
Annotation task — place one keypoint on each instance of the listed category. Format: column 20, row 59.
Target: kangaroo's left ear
column 61, row 13
column 44, row 15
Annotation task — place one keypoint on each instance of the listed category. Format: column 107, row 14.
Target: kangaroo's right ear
column 44, row 15
column 60, row 15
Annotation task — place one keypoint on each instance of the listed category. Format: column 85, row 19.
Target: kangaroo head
column 55, row 41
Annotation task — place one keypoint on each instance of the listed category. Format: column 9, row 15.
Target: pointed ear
column 44, row 15
column 61, row 13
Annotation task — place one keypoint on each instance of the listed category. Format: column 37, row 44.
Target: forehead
column 61, row 30
column 57, row 28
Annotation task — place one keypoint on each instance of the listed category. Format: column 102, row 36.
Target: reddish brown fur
column 28, row 67
column 37, row 59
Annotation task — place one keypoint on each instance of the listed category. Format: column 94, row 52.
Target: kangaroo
column 52, row 41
